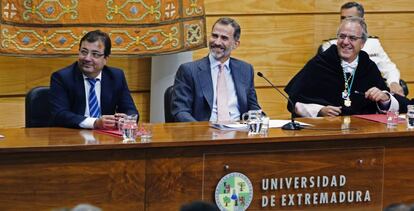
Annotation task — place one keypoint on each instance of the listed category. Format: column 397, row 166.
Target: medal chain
column 347, row 86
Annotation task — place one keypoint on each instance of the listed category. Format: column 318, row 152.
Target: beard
column 219, row 51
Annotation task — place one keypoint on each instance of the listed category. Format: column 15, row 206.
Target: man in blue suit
column 89, row 94
column 216, row 87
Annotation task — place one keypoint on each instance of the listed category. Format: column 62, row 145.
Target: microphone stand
column 292, row 125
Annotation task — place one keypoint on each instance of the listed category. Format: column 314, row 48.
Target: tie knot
column 92, row 81
column 221, row 67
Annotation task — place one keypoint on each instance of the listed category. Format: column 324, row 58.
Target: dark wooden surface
column 50, row 168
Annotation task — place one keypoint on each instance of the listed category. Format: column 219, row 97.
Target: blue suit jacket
column 67, row 95
column 193, row 89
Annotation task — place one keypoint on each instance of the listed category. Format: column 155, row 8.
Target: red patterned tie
column 222, row 98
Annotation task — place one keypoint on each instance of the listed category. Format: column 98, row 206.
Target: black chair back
column 404, row 86
column 169, row 117
column 37, row 107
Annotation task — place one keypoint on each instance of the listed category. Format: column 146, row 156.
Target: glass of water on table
column 129, row 128
column 410, row 117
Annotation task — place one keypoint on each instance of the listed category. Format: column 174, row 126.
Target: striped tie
column 94, row 110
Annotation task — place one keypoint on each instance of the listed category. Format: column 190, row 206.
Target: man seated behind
column 216, row 87
column 89, row 94
column 342, row 80
column 374, row 49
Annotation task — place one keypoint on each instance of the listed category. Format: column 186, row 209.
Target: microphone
column 292, row 125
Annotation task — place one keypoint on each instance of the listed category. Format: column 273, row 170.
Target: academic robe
column 321, row 81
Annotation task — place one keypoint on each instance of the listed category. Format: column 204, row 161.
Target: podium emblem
column 234, row 192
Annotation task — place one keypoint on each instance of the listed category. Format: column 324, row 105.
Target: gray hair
column 358, row 20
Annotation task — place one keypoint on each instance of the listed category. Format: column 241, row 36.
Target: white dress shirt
column 231, row 90
column 89, row 121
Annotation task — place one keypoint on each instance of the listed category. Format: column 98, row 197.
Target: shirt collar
column 214, row 63
column 350, row 67
column 99, row 77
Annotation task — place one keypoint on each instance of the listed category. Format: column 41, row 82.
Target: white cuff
column 307, row 110
column 392, row 103
column 88, row 123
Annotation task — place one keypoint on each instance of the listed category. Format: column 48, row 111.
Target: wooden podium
column 333, row 165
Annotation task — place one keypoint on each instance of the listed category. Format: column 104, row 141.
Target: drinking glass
column 145, row 130
column 265, row 125
column 410, row 117
column 392, row 119
column 254, row 121
column 129, row 128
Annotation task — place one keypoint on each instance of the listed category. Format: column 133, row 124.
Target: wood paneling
column 411, row 89
column 142, row 102
column 59, row 167
column 273, row 103
column 137, row 72
column 160, row 186
column 18, row 75
column 12, row 112
column 278, row 38
column 301, row 163
column 253, row 7
column 274, row 47
column 220, row 7
column 279, row 50
column 66, row 179
column 370, row 6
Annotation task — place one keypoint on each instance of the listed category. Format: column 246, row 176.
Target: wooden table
column 46, row 168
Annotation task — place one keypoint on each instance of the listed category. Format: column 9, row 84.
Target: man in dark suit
column 89, row 94
column 216, row 87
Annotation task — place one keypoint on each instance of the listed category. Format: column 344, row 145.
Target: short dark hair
column 398, row 207
column 199, row 206
column 96, row 35
column 351, row 4
column 233, row 23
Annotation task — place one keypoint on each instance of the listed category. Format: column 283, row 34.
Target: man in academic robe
column 342, row 80
column 373, row 47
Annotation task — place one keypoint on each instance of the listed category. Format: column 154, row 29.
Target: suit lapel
column 106, row 92
column 239, row 79
column 80, row 91
column 204, row 78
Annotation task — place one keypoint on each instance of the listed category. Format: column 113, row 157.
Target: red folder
column 382, row 118
column 111, row 132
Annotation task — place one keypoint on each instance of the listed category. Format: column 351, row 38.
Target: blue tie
column 94, row 110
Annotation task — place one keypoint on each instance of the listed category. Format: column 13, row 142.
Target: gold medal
column 347, row 102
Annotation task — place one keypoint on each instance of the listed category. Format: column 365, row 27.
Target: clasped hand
column 373, row 94
column 108, row 121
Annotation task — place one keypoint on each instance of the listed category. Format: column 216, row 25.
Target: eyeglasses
column 352, row 38
column 95, row 55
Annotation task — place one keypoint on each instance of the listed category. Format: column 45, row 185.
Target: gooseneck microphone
column 292, row 125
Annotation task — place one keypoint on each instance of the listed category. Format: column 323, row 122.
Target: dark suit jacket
column 67, row 95
column 193, row 89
